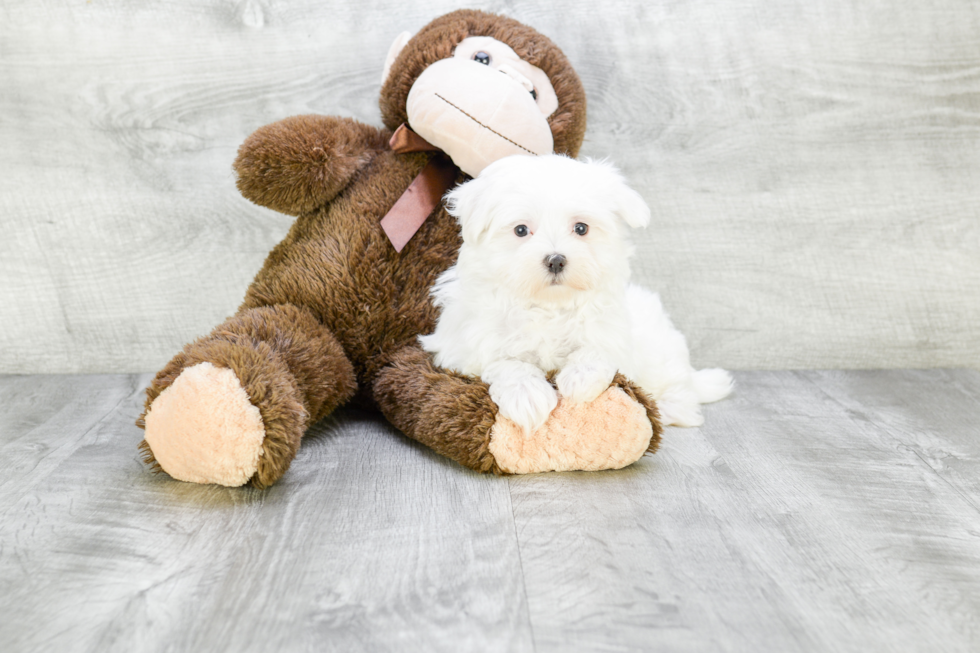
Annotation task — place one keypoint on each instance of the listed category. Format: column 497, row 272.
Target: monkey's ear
column 396, row 47
column 474, row 216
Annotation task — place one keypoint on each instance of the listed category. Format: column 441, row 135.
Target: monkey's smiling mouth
column 487, row 127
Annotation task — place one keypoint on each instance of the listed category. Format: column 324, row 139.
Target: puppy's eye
column 520, row 230
column 534, row 95
column 581, row 228
column 482, row 57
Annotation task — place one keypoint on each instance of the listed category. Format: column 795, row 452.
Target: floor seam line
column 520, row 562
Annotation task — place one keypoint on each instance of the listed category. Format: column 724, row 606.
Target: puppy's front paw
column 527, row 402
column 584, row 382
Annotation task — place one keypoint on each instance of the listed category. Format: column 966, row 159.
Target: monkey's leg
column 450, row 413
column 232, row 406
column 454, row 415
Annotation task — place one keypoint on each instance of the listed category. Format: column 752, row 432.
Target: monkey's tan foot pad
column 204, row 429
column 609, row 433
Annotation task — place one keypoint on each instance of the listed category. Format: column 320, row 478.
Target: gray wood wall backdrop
column 813, row 166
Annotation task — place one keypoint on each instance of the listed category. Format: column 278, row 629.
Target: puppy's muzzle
column 555, row 263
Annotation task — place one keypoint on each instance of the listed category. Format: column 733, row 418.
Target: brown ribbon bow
column 423, row 194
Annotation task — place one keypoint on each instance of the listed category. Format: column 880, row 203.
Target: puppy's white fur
column 507, row 318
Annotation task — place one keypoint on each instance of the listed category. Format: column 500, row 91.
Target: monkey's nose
column 555, row 263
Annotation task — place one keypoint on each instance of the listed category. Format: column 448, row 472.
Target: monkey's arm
column 299, row 164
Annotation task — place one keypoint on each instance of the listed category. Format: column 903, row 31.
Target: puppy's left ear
column 473, row 216
column 627, row 204
column 631, row 207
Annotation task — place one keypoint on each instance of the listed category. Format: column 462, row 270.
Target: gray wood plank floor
column 814, row 511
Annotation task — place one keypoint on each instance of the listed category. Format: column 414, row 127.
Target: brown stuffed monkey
column 334, row 314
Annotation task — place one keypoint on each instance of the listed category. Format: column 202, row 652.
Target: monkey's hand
column 299, row 164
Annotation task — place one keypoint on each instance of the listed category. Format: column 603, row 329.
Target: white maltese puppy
column 542, row 284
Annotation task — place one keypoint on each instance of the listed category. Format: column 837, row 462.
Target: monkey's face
column 483, row 87
column 482, row 104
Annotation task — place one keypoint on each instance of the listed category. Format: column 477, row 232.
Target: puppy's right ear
column 473, row 215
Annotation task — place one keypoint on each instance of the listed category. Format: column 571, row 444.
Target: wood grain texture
column 815, row 511
column 812, row 166
column 369, row 543
column 794, row 520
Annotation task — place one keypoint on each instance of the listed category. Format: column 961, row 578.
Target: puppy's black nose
column 555, row 263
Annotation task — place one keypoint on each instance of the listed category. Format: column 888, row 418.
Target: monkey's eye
column 581, row 228
column 482, row 57
column 534, row 95
column 520, row 230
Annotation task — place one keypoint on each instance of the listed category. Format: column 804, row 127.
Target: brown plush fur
column 636, row 394
column 297, row 165
column 338, row 263
column 448, row 412
column 453, row 414
column 335, row 309
column 291, row 367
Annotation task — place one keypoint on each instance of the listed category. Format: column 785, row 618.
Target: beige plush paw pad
column 204, row 429
column 609, row 433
